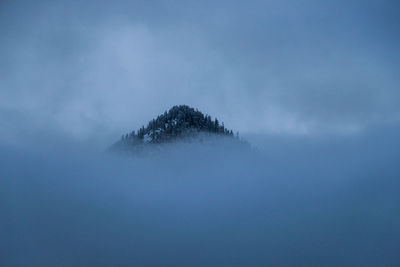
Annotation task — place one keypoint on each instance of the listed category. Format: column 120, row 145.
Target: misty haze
column 199, row 133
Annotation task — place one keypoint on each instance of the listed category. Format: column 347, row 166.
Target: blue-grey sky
column 278, row 67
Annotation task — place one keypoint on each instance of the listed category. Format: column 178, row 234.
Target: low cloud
column 277, row 67
column 333, row 200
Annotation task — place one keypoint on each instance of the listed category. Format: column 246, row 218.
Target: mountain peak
column 178, row 123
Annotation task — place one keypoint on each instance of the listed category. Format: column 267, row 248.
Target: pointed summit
column 177, row 123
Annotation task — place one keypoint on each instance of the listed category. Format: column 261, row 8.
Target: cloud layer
column 290, row 203
column 270, row 67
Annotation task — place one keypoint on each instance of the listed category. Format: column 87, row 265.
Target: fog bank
column 287, row 202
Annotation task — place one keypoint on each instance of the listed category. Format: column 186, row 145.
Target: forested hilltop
column 177, row 123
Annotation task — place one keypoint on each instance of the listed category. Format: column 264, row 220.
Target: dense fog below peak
column 287, row 201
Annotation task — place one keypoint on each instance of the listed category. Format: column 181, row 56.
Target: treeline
column 177, row 122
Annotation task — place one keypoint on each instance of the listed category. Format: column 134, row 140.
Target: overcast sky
column 277, row 67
